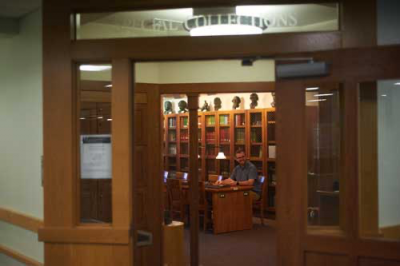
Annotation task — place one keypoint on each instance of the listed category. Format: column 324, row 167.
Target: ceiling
column 18, row 8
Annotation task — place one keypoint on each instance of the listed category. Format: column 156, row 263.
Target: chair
column 213, row 178
column 179, row 175
column 176, row 200
column 260, row 204
column 203, row 204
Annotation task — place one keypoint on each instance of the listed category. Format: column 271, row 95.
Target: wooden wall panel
column 377, row 262
column 147, row 209
column 291, row 169
column 59, row 120
column 84, row 255
column 359, row 27
column 186, row 48
column 368, row 161
column 321, row 259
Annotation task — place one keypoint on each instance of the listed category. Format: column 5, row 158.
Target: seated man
column 244, row 174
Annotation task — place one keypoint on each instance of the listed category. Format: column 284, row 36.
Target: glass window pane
column 379, row 182
column 323, row 124
column 235, row 20
column 94, row 85
column 388, row 21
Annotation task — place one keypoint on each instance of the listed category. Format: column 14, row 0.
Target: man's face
column 241, row 158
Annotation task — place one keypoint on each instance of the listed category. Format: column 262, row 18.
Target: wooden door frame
column 60, row 232
column 193, row 91
column 296, row 241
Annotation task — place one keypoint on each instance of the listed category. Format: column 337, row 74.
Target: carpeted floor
column 256, row 247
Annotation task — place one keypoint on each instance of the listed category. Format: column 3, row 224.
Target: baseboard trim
column 20, row 219
column 392, row 232
column 19, row 257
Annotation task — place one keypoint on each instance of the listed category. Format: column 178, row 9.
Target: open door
column 337, row 177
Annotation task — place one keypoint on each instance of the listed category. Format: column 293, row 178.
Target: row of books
column 224, row 135
column 184, row 121
column 184, row 135
column 240, row 136
column 240, row 120
column 172, row 136
column 210, row 120
column 255, row 136
column 210, row 136
column 171, row 122
column 172, row 149
column 224, row 120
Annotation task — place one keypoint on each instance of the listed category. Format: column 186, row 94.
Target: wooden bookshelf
column 252, row 130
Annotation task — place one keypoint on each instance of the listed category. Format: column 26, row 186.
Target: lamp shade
column 220, row 156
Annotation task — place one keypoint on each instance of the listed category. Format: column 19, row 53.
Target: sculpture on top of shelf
column 168, row 107
column 236, row 102
column 273, row 99
column 254, row 100
column 205, row 107
column 217, row 103
column 182, row 107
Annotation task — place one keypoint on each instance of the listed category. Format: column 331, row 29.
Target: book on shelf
column 210, row 120
column 171, row 122
column 239, row 120
column 224, row 135
column 210, row 136
column 240, row 136
column 224, row 120
column 184, row 121
column 184, row 135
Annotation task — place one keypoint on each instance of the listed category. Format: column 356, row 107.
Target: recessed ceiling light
column 312, row 89
column 319, row 100
column 397, row 83
column 383, row 95
column 108, row 86
column 94, row 67
column 323, row 94
column 100, row 117
column 109, row 119
column 82, row 118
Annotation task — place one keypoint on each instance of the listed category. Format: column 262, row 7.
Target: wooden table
column 232, row 209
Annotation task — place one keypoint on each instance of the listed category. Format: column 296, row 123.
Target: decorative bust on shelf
column 168, row 107
column 236, row 102
column 182, row 107
column 205, row 107
column 217, row 103
column 254, row 100
column 273, row 99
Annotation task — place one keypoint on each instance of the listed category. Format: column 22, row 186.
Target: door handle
column 144, row 238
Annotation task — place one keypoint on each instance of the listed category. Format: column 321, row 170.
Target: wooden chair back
column 261, row 203
column 213, row 178
column 176, row 198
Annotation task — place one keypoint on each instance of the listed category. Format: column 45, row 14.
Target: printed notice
column 95, row 156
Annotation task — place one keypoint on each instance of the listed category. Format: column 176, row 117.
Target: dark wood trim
column 193, row 104
column 290, row 138
column 18, row 256
column 188, row 48
column 359, row 23
column 86, row 235
column 20, row 219
column 106, row 6
column 60, row 188
column 122, row 137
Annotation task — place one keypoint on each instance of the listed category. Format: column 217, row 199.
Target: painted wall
column 388, row 153
column 211, row 71
column 21, row 142
column 388, row 22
